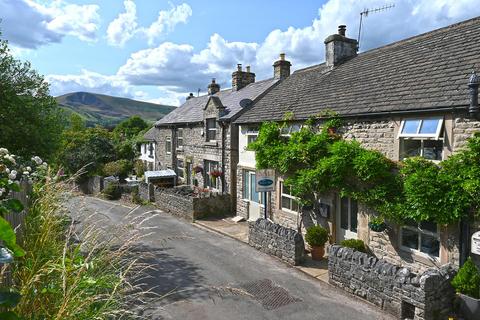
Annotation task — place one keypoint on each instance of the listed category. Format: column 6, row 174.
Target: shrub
column 316, row 236
column 139, row 168
column 119, row 168
column 356, row 244
column 467, row 280
column 112, row 191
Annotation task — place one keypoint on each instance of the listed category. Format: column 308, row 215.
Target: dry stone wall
column 276, row 240
column 398, row 291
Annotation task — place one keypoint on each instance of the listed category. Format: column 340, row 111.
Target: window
column 168, row 146
column 150, row 150
column 180, row 138
column 289, row 202
column 421, row 237
column 249, row 192
column 145, row 148
column 211, row 181
column 211, row 129
column 288, row 130
column 180, row 168
column 348, row 214
column 421, row 137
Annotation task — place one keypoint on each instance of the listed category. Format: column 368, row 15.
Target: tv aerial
column 365, row 14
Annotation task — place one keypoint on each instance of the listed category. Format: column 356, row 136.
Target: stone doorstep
column 312, row 268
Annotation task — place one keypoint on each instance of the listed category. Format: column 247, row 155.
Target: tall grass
column 71, row 270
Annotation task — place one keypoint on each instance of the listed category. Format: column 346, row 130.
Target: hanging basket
column 197, row 169
column 377, row 227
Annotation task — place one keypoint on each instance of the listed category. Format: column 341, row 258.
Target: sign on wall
column 265, row 180
column 475, row 245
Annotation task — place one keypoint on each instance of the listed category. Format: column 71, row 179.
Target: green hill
column 107, row 110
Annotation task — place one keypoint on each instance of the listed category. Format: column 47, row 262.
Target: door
column 253, row 197
column 346, row 222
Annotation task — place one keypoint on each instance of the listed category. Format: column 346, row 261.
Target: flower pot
column 377, row 227
column 469, row 307
column 317, row 252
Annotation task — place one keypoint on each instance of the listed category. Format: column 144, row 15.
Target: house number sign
column 476, row 243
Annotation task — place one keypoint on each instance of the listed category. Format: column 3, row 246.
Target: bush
column 356, row 244
column 119, row 168
column 467, row 280
column 139, row 168
column 112, row 191
column 316, row 236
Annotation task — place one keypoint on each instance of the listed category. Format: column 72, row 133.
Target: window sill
column 211, row 143
column 419, row 256
column 289, row 211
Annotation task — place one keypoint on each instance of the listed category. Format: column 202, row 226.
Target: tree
column 129, row 128
column 30, row 120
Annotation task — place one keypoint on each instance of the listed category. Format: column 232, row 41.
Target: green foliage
column 129, row 128
column 315, row 161
column 316, row 236
column 139, row 168
column 467, row 280
column 356, row 244
column 31, row 121
column 120, row 168
column 112, row 191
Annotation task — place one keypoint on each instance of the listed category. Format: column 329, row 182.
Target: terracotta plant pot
column 317, row 252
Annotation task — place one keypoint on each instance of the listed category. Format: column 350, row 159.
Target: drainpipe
column 473, row 84
column 223, row 125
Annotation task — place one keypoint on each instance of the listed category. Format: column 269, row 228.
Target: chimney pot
column 248, row 68
column 190, row 96
column 239, row 67
column 282, row 56
column 342, row 29
column 213, row 87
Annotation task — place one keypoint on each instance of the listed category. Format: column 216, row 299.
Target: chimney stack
column 241, row 78
column 213, row 87
column 281, row 68
column 339, row 48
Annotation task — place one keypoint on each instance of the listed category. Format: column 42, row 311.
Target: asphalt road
column 215, row 277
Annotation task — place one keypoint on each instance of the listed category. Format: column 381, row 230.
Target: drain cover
column 268, row 294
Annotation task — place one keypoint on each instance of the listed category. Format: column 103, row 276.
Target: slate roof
column 234, row 101
column 150, row 134
column 423, row 72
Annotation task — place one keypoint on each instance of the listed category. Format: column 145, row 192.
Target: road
column 215, row 277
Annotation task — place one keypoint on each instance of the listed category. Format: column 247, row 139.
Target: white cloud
column 166, row 22
column 30, row 24
column 123, row 28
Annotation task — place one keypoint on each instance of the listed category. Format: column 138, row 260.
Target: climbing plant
column 316, row 160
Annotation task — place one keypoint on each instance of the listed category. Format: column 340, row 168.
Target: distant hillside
column 107, row 110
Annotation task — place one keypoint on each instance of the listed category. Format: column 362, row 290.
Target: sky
column 159, row 51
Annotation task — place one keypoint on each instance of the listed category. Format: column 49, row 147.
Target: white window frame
column 249, row 175
column 291, row 199
column 179, row 139
column 168, row 142
column 420, row 232
column 181, row 169
column 435, row 136
column 289, row 129
column 208, row 129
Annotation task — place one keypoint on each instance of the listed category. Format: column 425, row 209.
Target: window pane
column 428, row 226
column 295, row 205
column 410, row 126
column 246, row 185
column 254, row 194
column 429, row 126
column 286, row 189
column 286, row 203
column 430, row 245
column 411, row 148
column 353, row 215
column 410, row 238
column 251, row 138
column 344, row 213
column 432, row 149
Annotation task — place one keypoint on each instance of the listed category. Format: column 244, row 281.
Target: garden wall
column 425, row 296
column 274, row 239
column 91, row 185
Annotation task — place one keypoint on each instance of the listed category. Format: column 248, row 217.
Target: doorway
column 346, row 219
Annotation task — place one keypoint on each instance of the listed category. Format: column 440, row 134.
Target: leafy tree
column 30, row 120
column 129, row 128
column 119, row 168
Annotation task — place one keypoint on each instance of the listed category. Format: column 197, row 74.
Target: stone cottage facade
column 409, row 98
column 199, row 139
column 147, row 150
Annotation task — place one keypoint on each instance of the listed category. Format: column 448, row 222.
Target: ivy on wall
column 315, row 161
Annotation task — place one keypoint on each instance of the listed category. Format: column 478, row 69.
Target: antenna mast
column 365, row 13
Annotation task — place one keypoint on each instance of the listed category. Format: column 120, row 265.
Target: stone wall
column 215, row 205
column 274, row 239
column 145, row 191
column 92, row 185
column 398, row 291
column 178, row 205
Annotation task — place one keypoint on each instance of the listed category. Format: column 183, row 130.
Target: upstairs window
column 211, row 129
column 180, row 138
column 168, row 146
column 252, row 135
column 150, row 150
column 421, row 138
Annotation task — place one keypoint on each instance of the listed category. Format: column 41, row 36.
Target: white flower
column 7, row 170
column 12, row 175
column 10, row 158
column 29, row 169
column 3, row 151
column 37, row 160
column 10, row 181
column 26, row 173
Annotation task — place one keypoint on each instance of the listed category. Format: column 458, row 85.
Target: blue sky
column 159, row 51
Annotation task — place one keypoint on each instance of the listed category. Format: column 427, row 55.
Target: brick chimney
column 241, row 78
column 281, row 68
column 339, row 48
column 213, row 87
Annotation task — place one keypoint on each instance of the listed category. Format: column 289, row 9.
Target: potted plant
column 377, row 224
column 316, row 237
column 467, row 285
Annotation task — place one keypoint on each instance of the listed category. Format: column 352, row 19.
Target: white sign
column 265, row 180
column 476, row 243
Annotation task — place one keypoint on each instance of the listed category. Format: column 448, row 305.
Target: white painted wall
column 145, row 154
column 246, row 158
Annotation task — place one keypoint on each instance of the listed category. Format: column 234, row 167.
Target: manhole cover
column 268, row 294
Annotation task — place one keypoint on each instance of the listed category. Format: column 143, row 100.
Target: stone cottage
column 147, row 150
column 199, row 139
column 408, row 98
